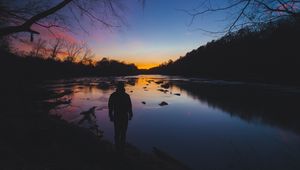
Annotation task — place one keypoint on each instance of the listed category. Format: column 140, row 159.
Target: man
column 120, row 111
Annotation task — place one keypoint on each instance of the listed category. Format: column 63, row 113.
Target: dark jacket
column 119, row 105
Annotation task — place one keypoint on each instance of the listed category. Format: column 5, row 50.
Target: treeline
column 265, row 53
column 30, row 67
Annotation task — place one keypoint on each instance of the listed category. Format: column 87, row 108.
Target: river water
column 206, row 124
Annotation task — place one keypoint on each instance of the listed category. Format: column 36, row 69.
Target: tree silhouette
column 18, row 16
column 87, row 56
column 247, row 12
column 74, row 50
column 261, row 54
column 56, row 47
column 39, row 48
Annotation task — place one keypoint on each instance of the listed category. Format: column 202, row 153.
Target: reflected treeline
column 88, row 84
column 274, row 106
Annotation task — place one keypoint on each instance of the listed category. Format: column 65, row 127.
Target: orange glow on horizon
column 146, row 65
column 150, row 57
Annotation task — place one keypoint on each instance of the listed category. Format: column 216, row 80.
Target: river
column 206, row 124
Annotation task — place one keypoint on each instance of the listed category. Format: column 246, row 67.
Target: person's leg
column 123, row 132
column 117, row 134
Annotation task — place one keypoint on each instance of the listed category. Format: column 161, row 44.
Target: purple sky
column 151, row 35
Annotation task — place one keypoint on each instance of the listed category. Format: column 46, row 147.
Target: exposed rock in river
column 163, row 103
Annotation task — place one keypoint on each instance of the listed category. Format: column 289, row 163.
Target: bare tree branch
column 239, row 16
column 195, row 14
column 21, row 19
column 39, row 48
column 248, row 11
column 26, row 26
column 73, row 50
column 56, row 47
column 89, row 14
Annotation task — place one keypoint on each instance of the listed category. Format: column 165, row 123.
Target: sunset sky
column 151, row 35
column 155, row 34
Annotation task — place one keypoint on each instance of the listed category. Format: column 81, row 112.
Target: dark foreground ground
column 32, row 139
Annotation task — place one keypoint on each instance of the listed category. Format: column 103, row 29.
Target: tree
column 87, row 56
column 249, row 12
column 19, row 19
column 39, row 48
column 21, row 16
column 74, row 50
column 56, row 47
column 104, row 62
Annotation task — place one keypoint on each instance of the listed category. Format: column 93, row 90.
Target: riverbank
column 32, row 139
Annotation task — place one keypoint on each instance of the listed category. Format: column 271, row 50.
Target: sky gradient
column 153, row 34
column 149, row 36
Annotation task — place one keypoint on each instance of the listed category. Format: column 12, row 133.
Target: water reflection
column 90, row 118
column 254, row 103
column 207, row 124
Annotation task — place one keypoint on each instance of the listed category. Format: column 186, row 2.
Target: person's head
column 120, row 87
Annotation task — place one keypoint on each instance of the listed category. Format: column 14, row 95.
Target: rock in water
column 163, row 90
column 165, row 86
column 159, row 82
column 163, row 103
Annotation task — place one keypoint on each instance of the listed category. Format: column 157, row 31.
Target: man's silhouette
column 120, row 111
